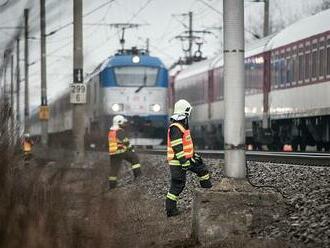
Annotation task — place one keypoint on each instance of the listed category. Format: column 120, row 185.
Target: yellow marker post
column 43, row 113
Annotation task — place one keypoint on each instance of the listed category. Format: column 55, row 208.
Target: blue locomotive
column 134, row 84
column 130, row 83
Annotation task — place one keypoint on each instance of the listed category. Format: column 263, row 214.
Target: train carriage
column 286, row 95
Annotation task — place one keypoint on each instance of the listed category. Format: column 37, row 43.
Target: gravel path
column 306, row 191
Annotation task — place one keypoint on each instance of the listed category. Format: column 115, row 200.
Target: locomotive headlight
column 155, row 107
column 136, row 59
column 116, row 107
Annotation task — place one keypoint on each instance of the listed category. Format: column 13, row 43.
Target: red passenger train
column 287, row 95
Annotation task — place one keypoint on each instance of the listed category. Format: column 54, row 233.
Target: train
column 131, row 83
column 287, row 89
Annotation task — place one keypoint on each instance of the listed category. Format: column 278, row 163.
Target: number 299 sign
column 78, row 93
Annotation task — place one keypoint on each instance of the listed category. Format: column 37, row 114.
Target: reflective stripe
column 186, row 164
column 172, row 197
column 176, row 142
column 174, row 162
column 203, row 178
column 135, row 166
column 112, row 178
column 180, row 154
column 177, row 163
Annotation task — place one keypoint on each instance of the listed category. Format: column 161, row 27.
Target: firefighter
column 120, row 149
column 182, row 157
column 27, row 148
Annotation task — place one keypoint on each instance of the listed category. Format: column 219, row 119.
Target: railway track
column 296, row 158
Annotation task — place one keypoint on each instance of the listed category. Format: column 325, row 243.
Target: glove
column 130, row 148
column 198, row 158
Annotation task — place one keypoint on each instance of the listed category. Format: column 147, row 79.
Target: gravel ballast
column 306, row 192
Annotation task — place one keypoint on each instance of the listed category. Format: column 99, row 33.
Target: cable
column 140, row 10
column 4, row 4
column 84, row 15
column 266, row 186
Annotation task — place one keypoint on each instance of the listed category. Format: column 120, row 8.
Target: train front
column 134, row 84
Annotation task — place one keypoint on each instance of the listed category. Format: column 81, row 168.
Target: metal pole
column 266, row 18
column 18, row 78
column 190, row 35
column 44, row 121
column 78, row 121
column 234, row 88
column 12, row 119
column 26, row 71
column 5, row 98
column 266, row 86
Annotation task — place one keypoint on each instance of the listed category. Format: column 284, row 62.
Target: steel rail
column 297, row 158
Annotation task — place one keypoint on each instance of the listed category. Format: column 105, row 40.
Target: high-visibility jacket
column 186, row 141
column 27, row 146
column 116, row 146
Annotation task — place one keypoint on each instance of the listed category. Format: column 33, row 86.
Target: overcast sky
column 160, row 22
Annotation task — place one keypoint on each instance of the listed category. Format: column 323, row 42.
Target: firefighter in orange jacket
column 119, row 150
column 27, row 147
column 181, row 156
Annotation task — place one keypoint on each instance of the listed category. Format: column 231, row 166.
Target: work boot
column 112, row 185
column 172, row 212
column 206, row 184
column 171, row 209
column 137, row 172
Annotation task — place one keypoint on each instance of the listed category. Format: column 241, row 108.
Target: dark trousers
column 178, row 181
column 115, row 164
column 27, row 157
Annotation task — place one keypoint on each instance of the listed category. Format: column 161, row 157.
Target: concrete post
column 78, row 109
column 44, row 122
column 234, row 88
column 18, row 79
column 12, row 119
column 26, row 71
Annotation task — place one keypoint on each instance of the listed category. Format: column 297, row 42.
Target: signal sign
column 78, row 93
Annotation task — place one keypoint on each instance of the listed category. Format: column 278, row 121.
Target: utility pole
column 12, row 119
column 190, row 34
column 26, row 71
column 234, row 88
column 43, row 114
column 18, row 78
column 266, row 18
column 266, row 86
column 78, row 108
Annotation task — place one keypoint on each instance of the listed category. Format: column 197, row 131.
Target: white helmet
column 27, row 135
column 182, row 107
column 119, row 120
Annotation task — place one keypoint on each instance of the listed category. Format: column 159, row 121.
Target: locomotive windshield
column 136, row 76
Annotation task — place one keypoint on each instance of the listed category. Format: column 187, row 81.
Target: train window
column 321, row 62
column 296, row 68
column 289, row 71
column 301, row 67
column 273, row 71
column 314, row 64
column 95, row 92
column 283, row 72
column 307, row 66
column 136, row 76
column 277, row 72
column 328, row 59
